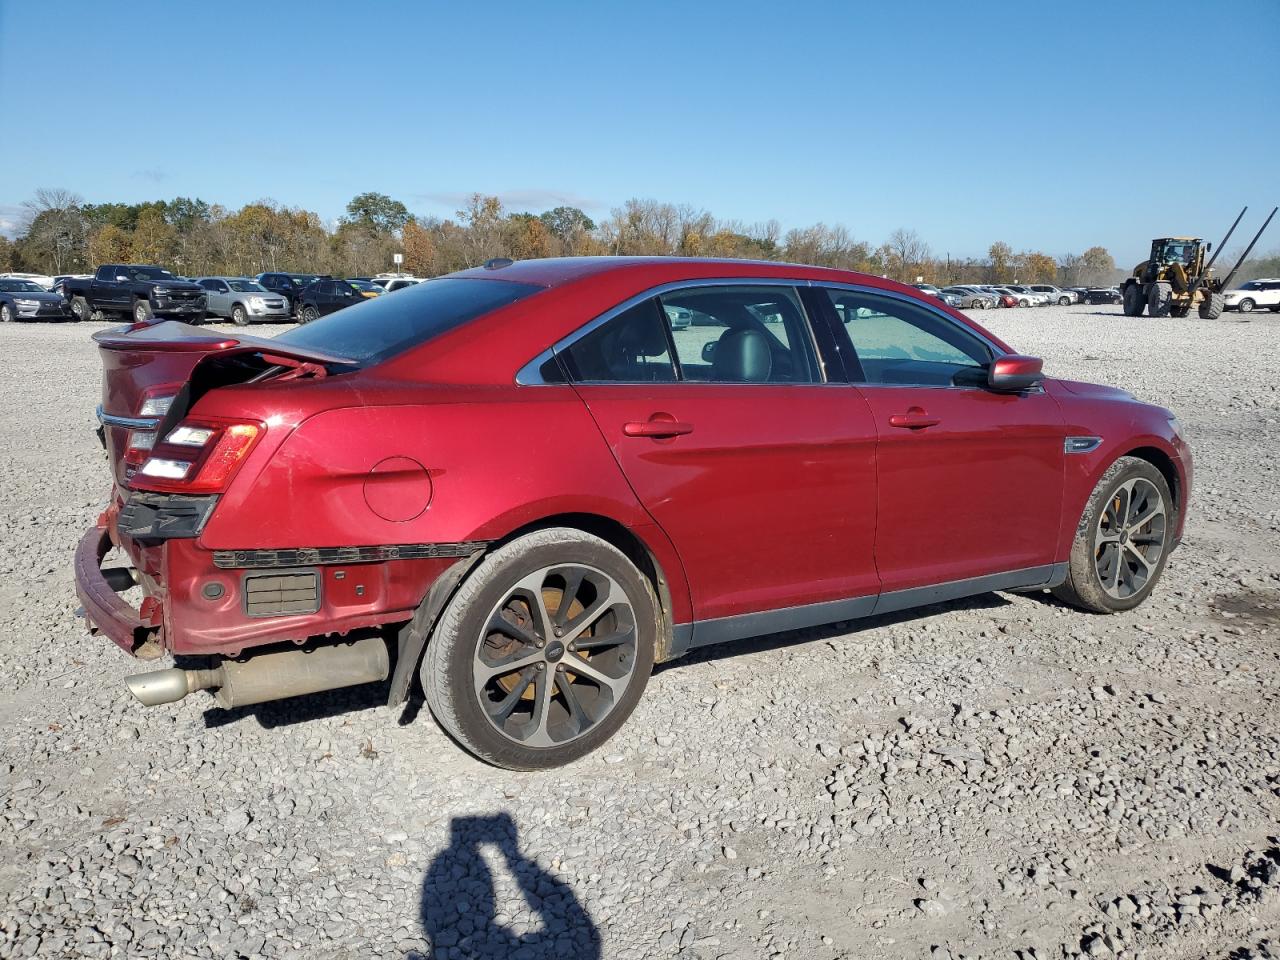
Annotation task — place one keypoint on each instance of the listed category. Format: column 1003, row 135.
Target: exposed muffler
column 270, row 676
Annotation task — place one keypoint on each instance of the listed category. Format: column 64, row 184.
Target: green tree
column 1098, row 266
column 377, row 211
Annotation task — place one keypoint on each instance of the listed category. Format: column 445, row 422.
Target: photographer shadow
column 459, row 910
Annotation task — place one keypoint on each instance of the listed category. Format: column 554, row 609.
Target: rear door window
column 631, row 347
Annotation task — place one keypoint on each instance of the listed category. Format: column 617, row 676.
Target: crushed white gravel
column 997, row 777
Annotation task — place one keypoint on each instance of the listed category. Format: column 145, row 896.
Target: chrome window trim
column 530, row 374
column 131, row 423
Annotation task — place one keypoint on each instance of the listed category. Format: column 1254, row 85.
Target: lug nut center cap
column 555, row 650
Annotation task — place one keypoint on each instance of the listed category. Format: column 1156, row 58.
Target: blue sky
column 1047, row 125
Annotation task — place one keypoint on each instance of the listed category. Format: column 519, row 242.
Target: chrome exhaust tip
column 169, row 686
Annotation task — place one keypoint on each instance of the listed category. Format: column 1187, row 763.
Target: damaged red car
column 526, row 483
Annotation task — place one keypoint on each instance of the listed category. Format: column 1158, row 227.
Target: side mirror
column 709, row 351
column 1014, row 373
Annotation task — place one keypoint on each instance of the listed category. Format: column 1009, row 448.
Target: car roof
column 558, row 271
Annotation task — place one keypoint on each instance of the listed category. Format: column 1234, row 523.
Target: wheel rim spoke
column 546, row 677
column 1130, row 536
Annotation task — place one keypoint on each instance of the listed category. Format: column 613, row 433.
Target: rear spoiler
column 173, row 336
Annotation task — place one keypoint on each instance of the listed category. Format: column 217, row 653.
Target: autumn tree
column 1000, row 259
column 419, row 249
column 8, row 255
column 110, row 244
column 1099, row 266
column 1040, row 267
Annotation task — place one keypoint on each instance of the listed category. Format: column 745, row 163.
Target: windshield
column 148, row 273
column 302, row 279
column 20, row 286
column 380, row 328
column 246, row 286
column 1176, row 251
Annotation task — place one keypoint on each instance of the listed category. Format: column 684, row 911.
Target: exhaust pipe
column 270, row 676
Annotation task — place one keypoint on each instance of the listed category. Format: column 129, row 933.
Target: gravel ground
column 999, row 777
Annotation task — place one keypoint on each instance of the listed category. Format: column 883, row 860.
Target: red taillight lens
column 198, row 456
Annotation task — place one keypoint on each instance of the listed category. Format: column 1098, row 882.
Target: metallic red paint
column 778, row 495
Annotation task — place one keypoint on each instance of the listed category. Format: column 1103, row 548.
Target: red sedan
column 530, row 481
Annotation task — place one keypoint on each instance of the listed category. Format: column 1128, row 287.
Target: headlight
column 26, row 303
column 257, row 303
column 160, row 292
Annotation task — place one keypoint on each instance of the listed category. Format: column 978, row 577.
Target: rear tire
column 80, row 308
column 1109, row 543
column 1246, row 305
column 515, row 587
column 239, row 316
column 1159, row 299
column 1132, row 300
column 1211, row 306
column 142, row 311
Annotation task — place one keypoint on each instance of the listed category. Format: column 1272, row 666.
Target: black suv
column 326, row 295
column 288, row 285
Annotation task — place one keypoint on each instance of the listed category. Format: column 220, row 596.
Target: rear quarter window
column 374, row 330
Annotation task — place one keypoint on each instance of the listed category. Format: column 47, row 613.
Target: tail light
column 198, row 456
column 156, row 402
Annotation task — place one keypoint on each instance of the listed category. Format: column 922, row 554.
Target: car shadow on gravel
column 316, row 706
column 459, row 901
column 776, row 641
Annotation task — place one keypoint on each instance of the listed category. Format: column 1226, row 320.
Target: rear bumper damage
column 104, row 609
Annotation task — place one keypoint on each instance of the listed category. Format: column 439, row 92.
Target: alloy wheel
column 1130, row 538
column 555, row 656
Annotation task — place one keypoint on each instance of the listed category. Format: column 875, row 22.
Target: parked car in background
column 1002, row 298
column 289, row 286
column 322, row 297
column 970, row 298
column 135, row 290
column 26, row 300
column 686, row 500
column 1032, row 298
column 928, row 288
column 1097, row 295
column 243, row 300
column 1062, row 298
column 392, row 284
column 1253, row 294
column 40, row 279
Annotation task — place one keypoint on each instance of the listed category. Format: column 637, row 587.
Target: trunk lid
column 155, row 360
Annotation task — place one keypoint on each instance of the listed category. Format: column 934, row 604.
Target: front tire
column 1064, row 301
column 544, row 650
column 239, row 316
column 142, row 312
column 1211, row 306
column 1122, row 541
column 6, row 313
column 309, row 314
column 1133, row 300
column 1159, row 299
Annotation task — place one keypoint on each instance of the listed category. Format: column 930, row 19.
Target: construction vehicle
column 1176, row 278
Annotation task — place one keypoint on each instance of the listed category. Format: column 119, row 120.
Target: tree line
column 62, row 234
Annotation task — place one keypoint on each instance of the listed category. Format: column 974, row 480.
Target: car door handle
column 657, row 427
column 913, row 419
